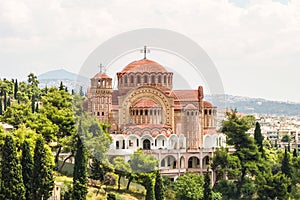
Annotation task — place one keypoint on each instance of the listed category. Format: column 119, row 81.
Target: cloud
column 255, row 46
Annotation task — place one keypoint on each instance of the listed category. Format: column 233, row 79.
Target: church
column 178, row 127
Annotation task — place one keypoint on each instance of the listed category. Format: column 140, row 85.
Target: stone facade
column 177, row 126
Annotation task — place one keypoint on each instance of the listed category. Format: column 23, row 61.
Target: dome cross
column 145, row 51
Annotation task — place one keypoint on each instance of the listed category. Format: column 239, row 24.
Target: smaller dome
column 190, row 107
column 101, row 76
column 144, row 65
column 207, row 104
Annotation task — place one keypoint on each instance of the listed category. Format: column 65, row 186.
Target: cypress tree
column 27, row 169
column 36, row 107
column 1, row 112
column 80, row 171
column 159, row 187
column 32, row 103
column 61, row 86
column 4, row 100
column 207, row 189
column 286, row 166
column 259, row 139
column 81, row 93
column 42, row 183
column 16, row 89
column 11, row 186
column 8, row 102
column 295, row 154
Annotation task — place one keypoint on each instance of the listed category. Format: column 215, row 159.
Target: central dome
column 144, row 65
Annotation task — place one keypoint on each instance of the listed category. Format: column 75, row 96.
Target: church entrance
column 146, row 144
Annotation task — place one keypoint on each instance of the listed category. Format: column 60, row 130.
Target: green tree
column 272, row 186
column 27, row 169
column 159, row 188
column 61, row 86
column 16, row 88
column 5, row 101
column 1, row 109
column 43, row 182
column 227, row 188
column 80, row 171
column 285, row 165
column 245, row 149
column 32, row 103
column 207, row 193
column 258, row 137
column 189, row 187
column 81, row 93
column 143, row 167
column 225, row 164
column 12, row 186
column 57, row 107
column 122, row 168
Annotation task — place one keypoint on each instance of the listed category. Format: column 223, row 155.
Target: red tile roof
column 100, row 76
column 143, row 65
column 185, row 95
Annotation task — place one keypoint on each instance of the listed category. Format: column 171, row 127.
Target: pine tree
column 259, row 139
column 159, row 187
column 11, row 186
column 80, row 172
column 43, row 182
column 27, row 169
column 16, row 89
column 285, row 165
column 207, row 189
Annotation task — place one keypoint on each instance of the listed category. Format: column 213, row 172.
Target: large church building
column 178, row 127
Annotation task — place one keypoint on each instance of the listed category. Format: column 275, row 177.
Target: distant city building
column 178, row 127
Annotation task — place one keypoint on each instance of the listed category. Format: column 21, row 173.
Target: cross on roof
column 145, row 51
column 101, row 67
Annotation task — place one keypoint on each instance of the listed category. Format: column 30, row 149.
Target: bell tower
column 100, row 98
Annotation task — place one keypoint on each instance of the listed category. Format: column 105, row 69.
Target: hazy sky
column 255, row 44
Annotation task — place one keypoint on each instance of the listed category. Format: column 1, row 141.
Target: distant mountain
column 69, row 79
column 61, row 74
column 250, row 105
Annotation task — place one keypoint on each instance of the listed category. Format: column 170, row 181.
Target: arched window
column 138, row 79
column 165, row 79
column 145, row 79
column 146, row 144
column 131, row 79
column 163, row 163
column 159, row 79
column 126, row 80
column 152, row 79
